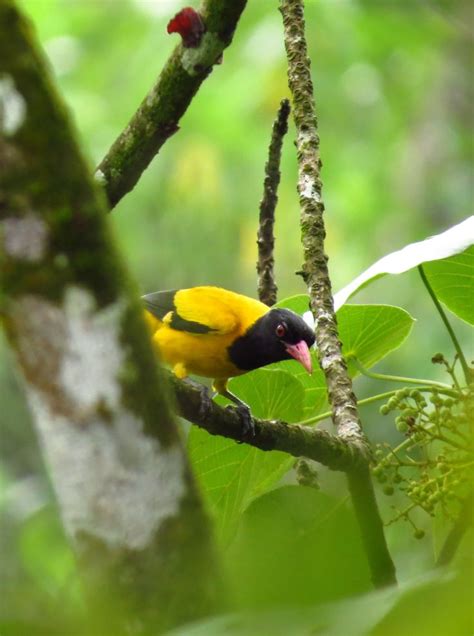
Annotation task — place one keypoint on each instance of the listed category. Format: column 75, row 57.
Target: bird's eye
column 280, row 330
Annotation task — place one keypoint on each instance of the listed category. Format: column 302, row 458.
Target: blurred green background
column 394, row 96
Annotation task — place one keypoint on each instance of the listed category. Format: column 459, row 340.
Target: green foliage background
column 393, row 92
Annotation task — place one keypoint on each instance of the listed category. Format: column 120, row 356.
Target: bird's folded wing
column 198, row 310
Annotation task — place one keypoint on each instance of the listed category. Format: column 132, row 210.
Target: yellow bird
column 216, row 333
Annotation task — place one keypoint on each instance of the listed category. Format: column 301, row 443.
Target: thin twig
column 158, row 115
column 267, row 289
column 315, row 272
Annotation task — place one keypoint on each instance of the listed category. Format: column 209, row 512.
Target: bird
column 213, row 332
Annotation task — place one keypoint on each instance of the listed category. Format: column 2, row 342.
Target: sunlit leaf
column 448, row 243
column 232, row 475
column 370, row 332
column 452, row 280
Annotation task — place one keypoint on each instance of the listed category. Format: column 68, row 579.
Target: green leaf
column 453, row 241
column 370, row 332
column 367, row 332
column 352, row 617
column 290, row 534
column 232, row 475
column 388, row 612
column 452, row 280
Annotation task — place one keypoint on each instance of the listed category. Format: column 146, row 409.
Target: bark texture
column 316, row 275
column 267, row 289
column 158, row 115
column 99, row 403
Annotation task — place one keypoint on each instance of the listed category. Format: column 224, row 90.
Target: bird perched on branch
column 212, row 332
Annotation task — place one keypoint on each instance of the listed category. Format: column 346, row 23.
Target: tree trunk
column 98, row 400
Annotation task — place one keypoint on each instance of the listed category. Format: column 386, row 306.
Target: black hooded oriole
column 212, row 332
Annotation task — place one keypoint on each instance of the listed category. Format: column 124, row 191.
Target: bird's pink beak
column 300, row 352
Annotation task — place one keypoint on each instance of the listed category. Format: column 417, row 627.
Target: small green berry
column 392, row 403
column 419, row 534
column 388, row 490
column 402, row 426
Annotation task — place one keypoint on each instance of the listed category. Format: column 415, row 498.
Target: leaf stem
column 444, row 318
column 398, row 378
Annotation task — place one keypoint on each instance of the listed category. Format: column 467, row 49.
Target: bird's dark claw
column 248, row 426
column 205, row 403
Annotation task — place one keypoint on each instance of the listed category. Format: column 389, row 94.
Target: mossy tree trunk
column 99, row 403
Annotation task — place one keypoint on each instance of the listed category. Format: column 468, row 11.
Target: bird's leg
column 248, row 427
column 205, row 404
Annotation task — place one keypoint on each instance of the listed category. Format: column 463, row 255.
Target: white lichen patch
column 328, row 360
column 92, row 355
column 195, row 60
column 12, row 106
column 24, row 238
column 112, row 482
column 307, row 186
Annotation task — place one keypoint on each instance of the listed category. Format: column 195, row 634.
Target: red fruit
column 188, row 23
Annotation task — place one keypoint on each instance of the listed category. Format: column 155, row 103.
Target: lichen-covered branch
column 300, row 441
column 158, row 115
column 267, row 289
column 98, row 400
column 315, row 272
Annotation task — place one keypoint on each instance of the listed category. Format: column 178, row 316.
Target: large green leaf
column 453, row 241
column 391, row 611
column 367, row 332
column 452, row 280
column 232, row 475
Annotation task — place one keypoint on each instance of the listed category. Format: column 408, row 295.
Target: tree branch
column 267, row 289
column 158, row 115
column 98, row 400
column 315, row 272
column 300, row 441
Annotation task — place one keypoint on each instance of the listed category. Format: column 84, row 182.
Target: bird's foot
column 248, row 426
column 205, row 403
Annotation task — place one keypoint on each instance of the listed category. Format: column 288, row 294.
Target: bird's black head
column 278, row 335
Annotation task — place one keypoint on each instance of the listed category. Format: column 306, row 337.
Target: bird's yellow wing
column 204, row 310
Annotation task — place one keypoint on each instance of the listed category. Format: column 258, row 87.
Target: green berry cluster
column 432, row 467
